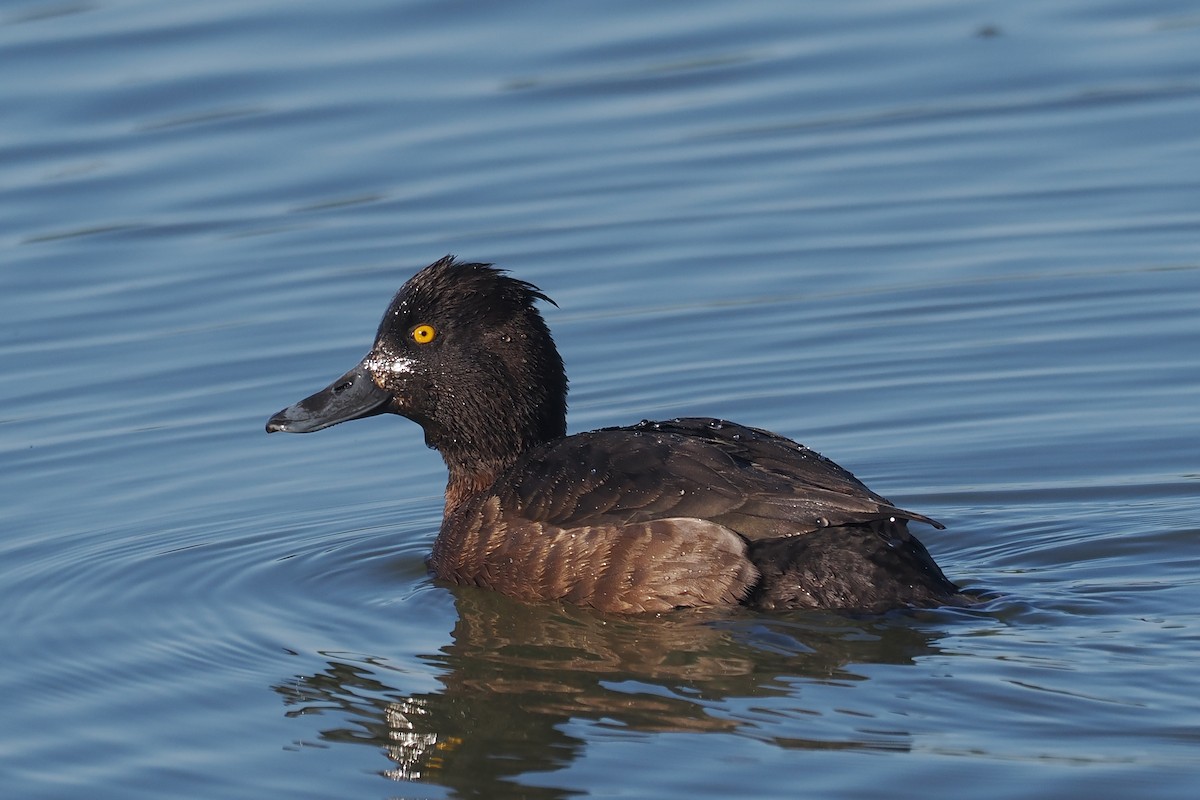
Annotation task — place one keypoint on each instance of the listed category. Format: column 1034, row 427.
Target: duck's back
column 682, row 513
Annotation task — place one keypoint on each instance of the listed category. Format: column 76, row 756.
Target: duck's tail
column 870, row 567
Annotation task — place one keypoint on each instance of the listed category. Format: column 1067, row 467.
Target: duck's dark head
column 463, row 352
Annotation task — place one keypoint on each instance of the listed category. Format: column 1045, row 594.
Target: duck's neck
column 465, row 483
column 471, row 471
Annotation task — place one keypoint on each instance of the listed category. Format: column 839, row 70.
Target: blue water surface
column 954, row 246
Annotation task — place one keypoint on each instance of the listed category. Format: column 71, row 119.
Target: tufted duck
column 644, row 518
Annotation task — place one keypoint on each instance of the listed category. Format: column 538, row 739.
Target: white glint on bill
column 389, row 364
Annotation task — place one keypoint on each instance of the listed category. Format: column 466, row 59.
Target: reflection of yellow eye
column 423, row 334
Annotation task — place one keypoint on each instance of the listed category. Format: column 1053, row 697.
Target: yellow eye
column 423, row 334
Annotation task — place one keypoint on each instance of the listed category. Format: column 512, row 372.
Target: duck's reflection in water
column 516, row 674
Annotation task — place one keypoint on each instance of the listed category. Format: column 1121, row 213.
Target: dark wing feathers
column 752, row 481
